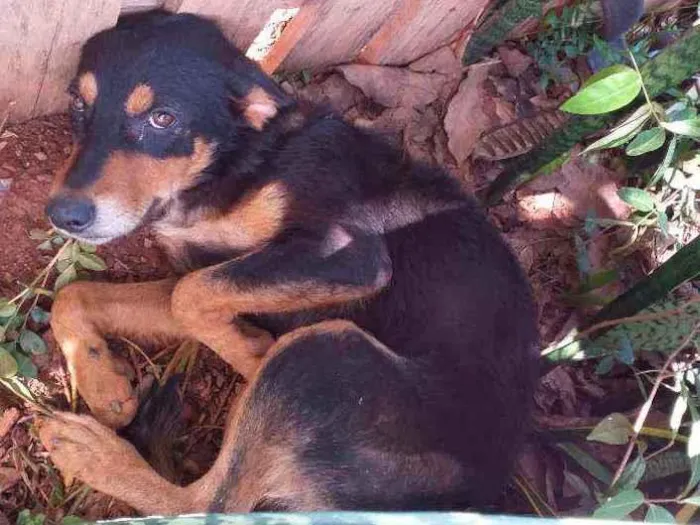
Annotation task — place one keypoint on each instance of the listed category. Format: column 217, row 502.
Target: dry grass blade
column 519, row 137
column 186, row 352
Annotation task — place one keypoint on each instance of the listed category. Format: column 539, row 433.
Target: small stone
column 41, row 156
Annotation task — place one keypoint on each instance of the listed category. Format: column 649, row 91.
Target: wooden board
column 418, row 27
column 241, row 20
column 342, row 28
column 40, row 42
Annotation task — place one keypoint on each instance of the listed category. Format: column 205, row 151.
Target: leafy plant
column 563, row 37
column 24, row 316
column 659, row 75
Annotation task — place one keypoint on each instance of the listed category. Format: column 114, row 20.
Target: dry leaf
column 591, row 187
column 442, row 61
column 335, row 92
column 8, row 478
column 7, row 420
column 395, row 87
column 516, row 62
column 465, row 119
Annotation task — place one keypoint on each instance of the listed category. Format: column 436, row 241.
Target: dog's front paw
column 83, row 448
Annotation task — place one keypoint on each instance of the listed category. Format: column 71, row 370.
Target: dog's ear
column 254, row 95
column 259, row 106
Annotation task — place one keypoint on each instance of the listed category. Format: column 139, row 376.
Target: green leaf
column 605, row 365
column 694, row 440
column 31, row 342
column 588, row 462
column 8, row 365
column 679, row 409
column 693, row 500
column 72, row 520
column 39, row 315
column 687, row 128
column 74, row 251
column 649, row 140
column 38, row 235
column 16, row 385
column 610, row 89
column 615, row 429
column 62, row 264
column 632, row 475
column 25, row 365
column 620, row 506
column 624, row 132
column 7, row 309
column 668, row 159
column 658, row 514
column 67, row 276
column 45, row 246
column 87, row 248
column 27, row 518
column 91, row 261
column 639, row 199
column 694, row 476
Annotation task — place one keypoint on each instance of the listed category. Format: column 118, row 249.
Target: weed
column 23, row 317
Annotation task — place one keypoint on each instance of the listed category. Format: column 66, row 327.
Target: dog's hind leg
column 258, row 464
column 84, row 313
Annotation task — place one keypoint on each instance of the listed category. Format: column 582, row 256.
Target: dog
column 386, row 334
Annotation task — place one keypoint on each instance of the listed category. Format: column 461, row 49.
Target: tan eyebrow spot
column 140, row 100
column 87, row 87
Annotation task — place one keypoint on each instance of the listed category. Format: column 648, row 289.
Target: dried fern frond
column 520, row 136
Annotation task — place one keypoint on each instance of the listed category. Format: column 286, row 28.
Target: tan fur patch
column 256, row 220
column 135, row 179
column 205, row 304
column 140, row 100
column 258, row 107
column 87, row 87
column 84, row 313
column 60, row 176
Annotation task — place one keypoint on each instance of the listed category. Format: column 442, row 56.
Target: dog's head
column 153, row 102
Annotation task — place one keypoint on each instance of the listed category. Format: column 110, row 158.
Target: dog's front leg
column 303, row 273
column 84, row 313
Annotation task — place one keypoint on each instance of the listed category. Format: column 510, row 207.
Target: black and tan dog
column 283, row 220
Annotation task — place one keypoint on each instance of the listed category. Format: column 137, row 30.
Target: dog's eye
column 161, row 119
column 77, row 103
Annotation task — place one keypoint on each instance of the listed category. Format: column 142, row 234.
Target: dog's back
column 459, row 313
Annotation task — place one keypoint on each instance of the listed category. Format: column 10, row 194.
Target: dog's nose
column 71, row 214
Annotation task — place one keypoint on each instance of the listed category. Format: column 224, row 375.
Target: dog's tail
column 157, row 425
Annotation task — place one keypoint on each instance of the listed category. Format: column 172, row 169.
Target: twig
column 646, row 407
column 137, row 348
